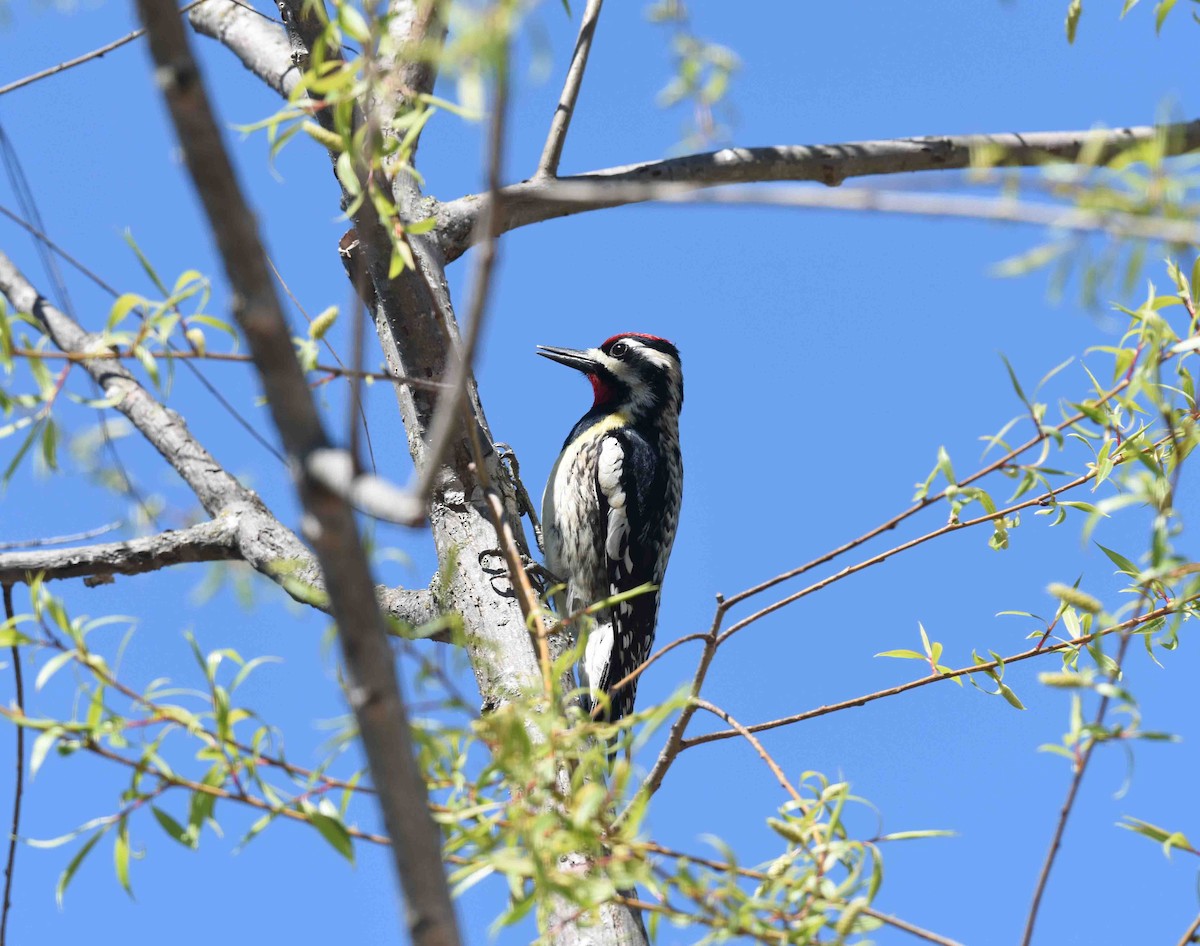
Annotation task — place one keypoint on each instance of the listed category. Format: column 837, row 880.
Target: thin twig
column 565, row 111
column 674, row 743
column 179, row 781
column 758, row 747
column 1003, row 461
column 86, row 57
column 661, row 652
column 1173, row 608
column 927, row 935
column 70, row 260
column 334, row 371
column 357, row 411
column 1189, row 935
column 1045, row 499
column 62, row 539
column 19, row 777
column 1080, row 767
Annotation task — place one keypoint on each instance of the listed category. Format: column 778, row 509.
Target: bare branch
column 19, row 777
column 674, row 744
column 537, row 200
column 213, row 541
column 758, row 747
column 1175, row 607
column 232, row 357
column 1189, row 935
column 1078, row 768
column 911, row 928
column 263, row 541
column 1045, row 499
column 374, row 691
column 561, row 122
column 61, row 539
column 1000, row 209
column 86, row 57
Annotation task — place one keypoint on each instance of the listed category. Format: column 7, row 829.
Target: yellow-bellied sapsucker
column 611, row 506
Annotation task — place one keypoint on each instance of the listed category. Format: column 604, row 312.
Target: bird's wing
column 625, row 478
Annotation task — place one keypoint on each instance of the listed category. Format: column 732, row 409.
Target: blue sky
column 827, row 357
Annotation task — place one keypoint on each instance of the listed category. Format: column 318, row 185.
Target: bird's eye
column 619, row 350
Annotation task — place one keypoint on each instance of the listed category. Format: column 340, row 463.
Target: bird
column 611, row 506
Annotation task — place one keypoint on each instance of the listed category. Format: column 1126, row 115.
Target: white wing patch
column 608, row 476
column 597, row 654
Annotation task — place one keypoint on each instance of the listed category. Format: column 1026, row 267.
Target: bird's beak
column 571, row 357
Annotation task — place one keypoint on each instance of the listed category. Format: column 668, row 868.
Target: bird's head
column 636, row 373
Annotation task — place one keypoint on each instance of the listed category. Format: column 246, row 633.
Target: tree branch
column 561, row 121
column 871, row 200
column 1078, row 768
column 537, row 200
column 260, row 44
column 211, row 541
column 373, row 691
column 98, row 53
column 263, row 541
column 1175, row 607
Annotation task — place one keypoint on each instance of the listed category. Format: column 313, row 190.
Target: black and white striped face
column 637, row 373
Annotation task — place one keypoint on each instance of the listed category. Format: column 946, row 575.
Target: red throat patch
column 601, row 391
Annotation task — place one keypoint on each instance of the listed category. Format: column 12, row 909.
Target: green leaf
column 50, row 444
column 51, row 667
column 344, row 167
column 121, row 855
column 1012, row 376
column 1124, row 564
column 1073, row 14
column 333, row 831
column 421, row 226
column 10, row 637
column 6, row 344
column 41, row 747
column 353, row 24
column 1006, row 692
column 903, row 654
column 150, row 271
column 944, row 466
column 174, row 828
column 249, row 667
column 125, row 304
column 1160, row 13
column 64, row 879
column 910, row 835
column 255, row 830
column 28, row 442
